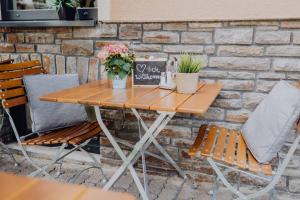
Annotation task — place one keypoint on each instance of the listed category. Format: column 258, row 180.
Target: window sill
column 49, row 23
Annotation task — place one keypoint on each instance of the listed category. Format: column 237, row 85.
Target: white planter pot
column 118, row 83
column 187, row 83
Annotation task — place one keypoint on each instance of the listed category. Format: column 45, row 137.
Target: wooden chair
column 225, row 148
column 13, row 94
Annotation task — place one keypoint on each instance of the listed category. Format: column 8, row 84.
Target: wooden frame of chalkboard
column 146, row 72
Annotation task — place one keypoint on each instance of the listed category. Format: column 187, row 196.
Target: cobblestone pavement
column 161, row 187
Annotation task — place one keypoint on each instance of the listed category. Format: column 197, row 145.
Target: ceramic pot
column 87, row 13
column 67, row 13
column 187, row 83
column 118, row 83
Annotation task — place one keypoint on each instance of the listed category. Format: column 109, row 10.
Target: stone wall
column 248, row 57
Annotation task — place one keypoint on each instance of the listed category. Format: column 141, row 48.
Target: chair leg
column 213, row 192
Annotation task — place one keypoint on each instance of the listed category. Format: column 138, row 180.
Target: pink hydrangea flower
column 112, row 50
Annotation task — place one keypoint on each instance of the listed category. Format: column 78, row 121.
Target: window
column 27, row 10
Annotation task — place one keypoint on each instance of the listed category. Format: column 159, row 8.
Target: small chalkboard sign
column 147, row 72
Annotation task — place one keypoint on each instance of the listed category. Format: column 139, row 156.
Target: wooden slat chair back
column 12, row 94
column 224, row 147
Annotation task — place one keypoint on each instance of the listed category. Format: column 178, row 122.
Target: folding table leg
column 155, row 129
column 158, row 146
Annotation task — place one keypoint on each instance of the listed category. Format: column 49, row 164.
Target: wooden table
column 14, row 187
column 166, row 102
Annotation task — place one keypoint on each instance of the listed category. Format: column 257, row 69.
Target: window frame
column 8, row 14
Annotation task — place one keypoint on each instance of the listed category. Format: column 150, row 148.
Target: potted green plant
column 187, row 76
column 118, row 62
column 66, row 9
column 86, row 10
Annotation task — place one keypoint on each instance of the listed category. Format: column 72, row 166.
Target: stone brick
column 61, row 33
column 4, row 56
column 240, row 51
column 2, row 37
column 146, row 47
column 272, row 37
column 283, row 51
column 197, row 25
column 213, row 114
column 196, row 37
column 267, row 28
column 41, row 38
column 265, row 86
column 240, row 63
column 102, row 43
column 253, row 23
column 71, row 65
column 229, row 95
column 36, row 56
column 241, row 75
column 239, row 116
column 20, row 57
column 228, row 103
column 293, row 76
column 77, row 47
column 296, row 37
column 183, row 48
column 212, row 74
column 100, row 31
column 243, row 85
column 60, row 64
column 177, row 26
column 251, row 100
column 152, row 26
column 130, row 31
column 286, row 65
column 271, row 75
column 48, row 48
column 6, row 48
column 210, row 49
column 294, row 185
column 182, row 142
column 82, row 69
column 25, row 48
column 49, row 63
column 15, row 37
column 233, row 35
column 290, row 24
column 177, row 131
column 94, row 67
column 161, row 37
column 153, row 54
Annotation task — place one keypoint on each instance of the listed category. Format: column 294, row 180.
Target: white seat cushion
column 269, row 125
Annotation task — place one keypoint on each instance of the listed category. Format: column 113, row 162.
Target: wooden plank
column 18, row 66
column 14, row 102
column 96, row 131
column 252, row 163
column 210, row 141
column 197, row 143
column 220, row 145
column 171, row 102
column 62, row 94
column 241, row 153
column 230, row 148
column 121, row 98
column 96, row 194
column 266, row 169
column 11, row 83
column 87, row 130
column 202, row 100
column 20, row 73
column 96, row 99
column 12, row 93
column 144, row 102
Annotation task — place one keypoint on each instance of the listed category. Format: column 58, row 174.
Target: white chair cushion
column 47, row 116
column 268, row 126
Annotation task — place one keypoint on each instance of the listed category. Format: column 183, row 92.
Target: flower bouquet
column 118, row 62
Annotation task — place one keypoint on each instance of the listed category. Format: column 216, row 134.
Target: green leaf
column 122, row 74
column 110, row 75
column 127, row 67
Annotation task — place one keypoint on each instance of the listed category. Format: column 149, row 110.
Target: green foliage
column 120, row 64
column 64, row 3
column 188, row 64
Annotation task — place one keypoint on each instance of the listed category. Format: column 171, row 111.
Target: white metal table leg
column 158, row 146
column 155, row 129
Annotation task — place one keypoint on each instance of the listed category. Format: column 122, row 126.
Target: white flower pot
column 118, row 83
column 187, row 83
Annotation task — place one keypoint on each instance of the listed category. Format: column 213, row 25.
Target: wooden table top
column 14, row 187
column 100, row 93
